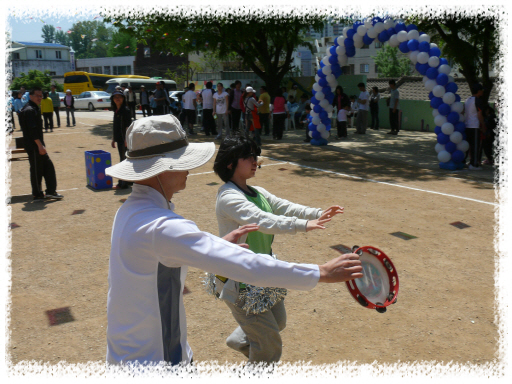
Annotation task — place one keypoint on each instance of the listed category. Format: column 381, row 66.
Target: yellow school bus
column 78, row 81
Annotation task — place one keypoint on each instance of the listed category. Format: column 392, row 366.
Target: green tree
column 48, row 33
column 35, row 78
column 392, row 63
column 472, row 42
column 119, row 41
column 264, row 44
column 62, row 38
column 81, row 39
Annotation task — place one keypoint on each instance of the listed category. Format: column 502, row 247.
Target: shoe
column 54, row 195
column 471, row 168
column 38, row 198
column 306, row 140
column 58, row 126
column 487, row 162
column 51, row 130
column 68, row 125
column 395, row 133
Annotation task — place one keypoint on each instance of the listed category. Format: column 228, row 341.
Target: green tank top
column 260, row 242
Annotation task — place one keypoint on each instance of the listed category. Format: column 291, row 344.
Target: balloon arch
column 447, row 107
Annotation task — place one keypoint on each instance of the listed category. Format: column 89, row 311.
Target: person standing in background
column 362, row 113
column 47, row 112
column 374, row 108
column 279, row 112
column 56, row 103
column 189, row 107
column 234, row 106
column 220, row 110
column 264, row 111
column 122, row 120
column 206, row 97
column 69, row 103
column 394, row 108
column 131, row 100
column 144, row 101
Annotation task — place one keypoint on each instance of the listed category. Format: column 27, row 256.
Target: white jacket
column 234, row 210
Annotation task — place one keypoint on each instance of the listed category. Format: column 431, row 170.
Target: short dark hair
column 338, row 87
column 308, row 106
column 237, row 82
column 375, row 89
column 230, row 150
column 475, row 88
column 209, row 84
column 361, row 85
column 222, row 85
column 304, row 96
column 264, row 87
column 392, row 82
column 34, row 90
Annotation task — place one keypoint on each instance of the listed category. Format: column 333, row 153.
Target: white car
column 92, row 99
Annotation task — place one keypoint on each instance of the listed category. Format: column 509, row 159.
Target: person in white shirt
column 475, row 125
column 220, row 110
column 152, row 247
column 342, row 123
column 206, row 97
column 189, row 107
column 362, row 113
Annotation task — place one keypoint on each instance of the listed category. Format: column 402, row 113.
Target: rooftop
column 47, row 45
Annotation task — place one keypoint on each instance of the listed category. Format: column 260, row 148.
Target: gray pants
column 222, row 121
column 361, row 121
column 257, row 336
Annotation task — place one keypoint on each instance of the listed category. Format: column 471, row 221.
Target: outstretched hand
column 235, row 235
column 331, row 211
column 342, row 268
column 325, row 218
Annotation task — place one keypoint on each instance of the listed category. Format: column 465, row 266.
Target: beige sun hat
column 158, row 144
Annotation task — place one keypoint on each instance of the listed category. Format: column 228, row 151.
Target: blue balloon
column 319, row 142
column 323, row 82
column 330, row 98
column 403, row 47
column 453, row 117
column 432, row 73
column 383, row 36
column 410, row 27
column 436, row 102
column 442, row 138
column 423, row 68
column 326, row 89
column 391, row 32
column 464, row 136
column 327, row 127
column 336, row 43
column 350, row 34
column 413, row 44
column 332, row 50
column 435, row 52
column 450, row 147
column 431, row 96
column 317, row 109
column 400, row 27
column 444, row 109
column 437, row 130
column 310, row 119
column 333, row 59
column 326, row 121
column 442, row 61
column 313, row 92
column 350, row 51
column 457, row 97
column 315, row 101
column 316, row 135
column 312, row 127
column 337, row 73
column 460, row 127
column 451, row 87
column 376, row 20
column 335, row 67
column 348, row 42
column 320, row 73
column 442, row 79
column 323, row 115
column 424, row 46
column 356, row 25
column 367, row 40
column 458, row 156
column 322, row 64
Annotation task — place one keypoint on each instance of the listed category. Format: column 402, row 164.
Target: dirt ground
column 445, row 310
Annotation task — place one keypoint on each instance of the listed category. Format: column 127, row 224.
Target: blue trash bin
column 95, row 164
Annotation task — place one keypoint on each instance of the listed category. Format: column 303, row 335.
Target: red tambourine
column 378, row 288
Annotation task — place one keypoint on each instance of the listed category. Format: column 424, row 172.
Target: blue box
column 95, row 164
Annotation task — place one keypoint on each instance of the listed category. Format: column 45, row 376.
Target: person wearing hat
column 69, row 104
column 144, row 101
column 152, row 247
column 252, row 120
column 122, row 120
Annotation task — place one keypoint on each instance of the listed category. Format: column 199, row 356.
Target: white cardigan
column 234, row 210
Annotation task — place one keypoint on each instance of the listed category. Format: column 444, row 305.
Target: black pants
column 56, row 110
column 122, row 155
column 473, row 137
column 265, row 123
column 48, row 120
column 131, row 105
column 278, row 128
column 208, row 122
column 145, row 108
column 393, row 120
column 159, row 110
column 41, row 166
column 342, row 128
column 235, row 119
column 374, row 110
column 488, row 146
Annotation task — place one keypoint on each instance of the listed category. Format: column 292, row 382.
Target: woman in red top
column 279, row 112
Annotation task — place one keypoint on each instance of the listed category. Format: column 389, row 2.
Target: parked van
column 150, row 84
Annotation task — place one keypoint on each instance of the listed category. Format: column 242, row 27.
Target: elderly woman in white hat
column 152, row 247
column 251, row 107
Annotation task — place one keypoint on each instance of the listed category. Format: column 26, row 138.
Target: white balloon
column 379, row 27
column 342, row 60
column 423, row 57
column 423, row 38
column 435, row 113
column 325, row 60
column 425, row 79
column 327, row 70
column 324, row 103
column 368, row 23
column 438, row 90
column 345, row 30
column 445, row 68
column 462, row 118
column 357, row 38
column 329, row 114
column 388, row 23
column 329, row 109
column 358, row 44
column 433, row 45
column 430, row 84
column 313, row 113
column 447, row 128
column 433, row 61
column 340, row 50
column 372, row 33
column 413, row 34
column 317, row 87
column 325, row 135
column 319, row 95
column 317, row 77
column 328, row 50
column 463, row 146
column 439, row 120
column 310, row 133
column 312, row 107
column 439, row 147
column 341, row 41
column 361, row 30
column 456, row 137
column 413, row 56
column 393, row 41
column 330, row 78
column 458, row 107
column 321, row 128
column 401, row 36
column 449, row 98
column 444, row 156
column 316, row 120
column 333, row 89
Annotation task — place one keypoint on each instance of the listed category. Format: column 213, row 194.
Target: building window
column 96, row 70
column 147, row 52
column 39, row 54
column 122, row 69
column 378, row 44
column 53, row 73
column 15, row 56
column 348, row 69
column 364, row 68
column 376, row 68
column 365, row 46
column 58, row 54
column 106, row 70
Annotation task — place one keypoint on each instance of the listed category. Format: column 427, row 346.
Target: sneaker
column 54, row 195
column 471, row 168
column 39, row 198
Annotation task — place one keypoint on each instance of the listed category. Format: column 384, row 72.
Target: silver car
column 92, row 99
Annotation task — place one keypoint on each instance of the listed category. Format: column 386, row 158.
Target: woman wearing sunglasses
column 260, row 312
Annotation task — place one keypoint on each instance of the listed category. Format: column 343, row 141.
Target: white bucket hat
column 250, row 89
column 158, row 144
